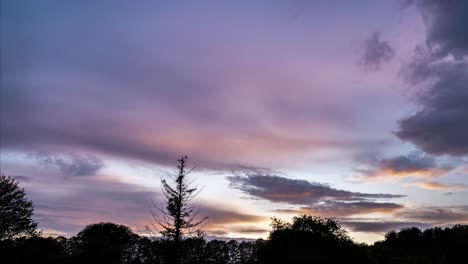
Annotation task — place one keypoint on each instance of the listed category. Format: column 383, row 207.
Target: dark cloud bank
column 440, row 66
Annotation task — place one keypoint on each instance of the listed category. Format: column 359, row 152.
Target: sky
column 350, row 109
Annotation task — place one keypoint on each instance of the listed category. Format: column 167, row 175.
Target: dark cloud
column 446, row 30
column 385, row 226
column 437, row 215
column 280, row 189
column 318, row 198
column 376, row 52
column 21, row 178
column 413, row 165
column 241, row 230
column 407, row 163
column 440, row 125
column 220, row 216
column 252, row 230
column 74, row 165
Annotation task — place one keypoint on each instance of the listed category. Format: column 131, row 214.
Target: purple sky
column 352, row 109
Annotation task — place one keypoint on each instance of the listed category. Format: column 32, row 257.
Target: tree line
column 180, row 238
column 308, row 239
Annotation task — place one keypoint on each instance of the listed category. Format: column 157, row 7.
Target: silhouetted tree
column 179, row 218
column 105, row 243
column 411, row 245
column 309, row 239
column 15, row 210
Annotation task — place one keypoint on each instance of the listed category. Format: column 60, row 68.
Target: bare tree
column 179, row 218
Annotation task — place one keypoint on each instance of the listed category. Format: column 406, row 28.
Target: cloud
column 148, row 93
column 376, row 52
column 342, row 209
column 413, row 165
column 440, row 186
column 382, row 226
column 440, row 126
column 233, row 221
column 445, row 21
column 74, row 165
column 67, row 205
column 21, row 178
column 219, row 216
column 436, row 215
column 250, row 230
column 440, row 67
column 280, row 189
column 318, row 198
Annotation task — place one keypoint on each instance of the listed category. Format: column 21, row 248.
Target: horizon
column 357, row 111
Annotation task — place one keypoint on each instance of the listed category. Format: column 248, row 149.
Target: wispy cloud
column 73, row 165
column 439, row 186
column 376, row 52
column 152, row 96
column 436, row 215
column 382, row 226
column 343, row 209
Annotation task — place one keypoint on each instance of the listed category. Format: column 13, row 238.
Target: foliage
column 433, row 245
column 15, row 210
column 297, row 242
column 309, row 239
column 104, row 243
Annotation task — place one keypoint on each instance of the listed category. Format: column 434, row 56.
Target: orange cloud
column 420, row 173
column 341, row 209
column 415, row 165
column 440, row 186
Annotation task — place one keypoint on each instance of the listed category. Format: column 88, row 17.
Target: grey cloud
column 75, row 165
column 376, row 52
column 242, row 230
column 220, row 216
column 342, row 209
column 440, row 126
column 318, row 198
column 280, row 189
column 383, row 226
column 408, row 163
column 415, row 164
column 446, row 20
column 21, row 178
column 252, row 230
column 437, row 215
